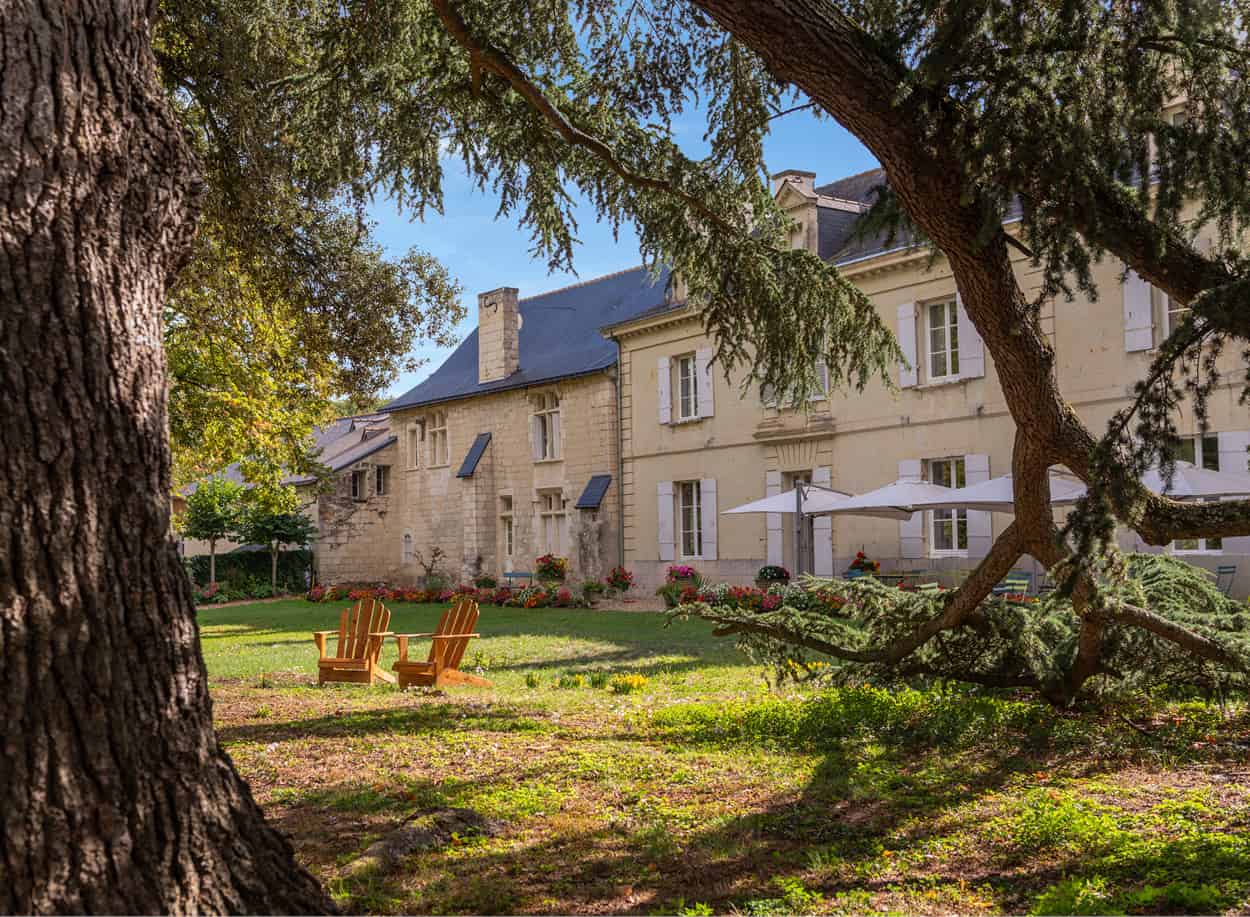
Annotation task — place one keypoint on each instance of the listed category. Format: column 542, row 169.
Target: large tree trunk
column 114, row 794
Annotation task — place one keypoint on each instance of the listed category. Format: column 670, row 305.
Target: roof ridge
column 855, row 175
column 580, row 283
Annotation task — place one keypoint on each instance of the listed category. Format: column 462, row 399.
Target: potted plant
column 681, row 575
column 772, row 575
column 862, row 566
column 619, row 579
column 551, row 569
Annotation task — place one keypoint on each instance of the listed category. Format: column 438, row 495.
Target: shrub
column 294, row 568
column 598, row 679
column 569, row 680
column 563, row 598
column 531, row 680
column 627, row 684
column 620, row 579
column 485, row 581
column 680, row 571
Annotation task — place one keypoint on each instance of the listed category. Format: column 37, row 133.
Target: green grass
column 274, row 640
column 698, row 791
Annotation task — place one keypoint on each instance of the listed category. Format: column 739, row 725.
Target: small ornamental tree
column 263, row 525
column 213, row 512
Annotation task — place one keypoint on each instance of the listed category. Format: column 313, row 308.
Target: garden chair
column 447, row 645
column 362, row 630
column 1225, row 575
column 1017, row 582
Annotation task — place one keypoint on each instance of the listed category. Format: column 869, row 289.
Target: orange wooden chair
column 447, row 645
column 362, row 630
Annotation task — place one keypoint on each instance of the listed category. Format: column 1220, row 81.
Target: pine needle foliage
column 1007, row 643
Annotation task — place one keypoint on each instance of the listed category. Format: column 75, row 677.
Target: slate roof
column 347, row 440
column 559, row 337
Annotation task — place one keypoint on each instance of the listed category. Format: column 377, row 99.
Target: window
column 1203, row 451
column 509, row 533
column 551, row 521
column 381, row 475
column 414, row 445
column 1174, row 313
column 547, row 427
column 690, row 512
column 687, row 388
column 407, row 547
column 438, row 439
column 822, row 382
column 948, row 528
column 942, row 319
column 359, row 491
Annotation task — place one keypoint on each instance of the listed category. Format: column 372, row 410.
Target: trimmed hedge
column 294, row 568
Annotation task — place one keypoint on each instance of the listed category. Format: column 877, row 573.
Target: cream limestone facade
column 519, row 503
column 695, row 445
column 509, row 451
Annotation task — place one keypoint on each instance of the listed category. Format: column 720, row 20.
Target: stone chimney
column 804, row 182
column 498, row 321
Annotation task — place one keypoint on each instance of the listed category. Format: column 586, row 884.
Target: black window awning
column 469, row 465
column 596, row 487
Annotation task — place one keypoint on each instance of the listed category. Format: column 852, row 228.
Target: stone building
column 509, row 450
column 692, row 446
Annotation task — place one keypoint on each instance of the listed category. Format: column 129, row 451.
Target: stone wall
column 363, row 540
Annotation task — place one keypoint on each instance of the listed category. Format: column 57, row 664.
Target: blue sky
column 484, row 253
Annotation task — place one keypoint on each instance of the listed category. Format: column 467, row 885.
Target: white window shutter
column 664, row 503
column 664, row 375
column 707, row 513
column 1233, row 457
column 910, row 531
column 980, row 525
column 822, row 529
column 772, row 487
column 907, row 373
column 536, row 439
column 1138, row 321
column 703, row 373
column 971, row 347
column 557, row 448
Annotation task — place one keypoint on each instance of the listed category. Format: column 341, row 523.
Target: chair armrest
column 413, row 635
column 323, row 632
column 382, row 633
column 451, row 636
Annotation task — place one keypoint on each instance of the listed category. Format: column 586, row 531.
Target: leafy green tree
column 213, row 512
column 274, row 529
column 270, row 124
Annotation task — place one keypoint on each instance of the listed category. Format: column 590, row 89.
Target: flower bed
column 534, row 596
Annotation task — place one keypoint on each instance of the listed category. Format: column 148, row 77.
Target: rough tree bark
column 114, row 794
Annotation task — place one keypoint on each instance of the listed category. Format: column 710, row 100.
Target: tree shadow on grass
column 418, row 719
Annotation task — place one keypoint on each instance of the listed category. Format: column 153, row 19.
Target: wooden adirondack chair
column 447, row 645
column 362, row 630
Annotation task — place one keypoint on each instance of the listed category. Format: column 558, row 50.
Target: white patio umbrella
column 817, row 501
column 1191, row 482
column 997, row 495
column 900, row 498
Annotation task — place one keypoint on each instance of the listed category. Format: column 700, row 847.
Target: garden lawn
column 700, row 791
